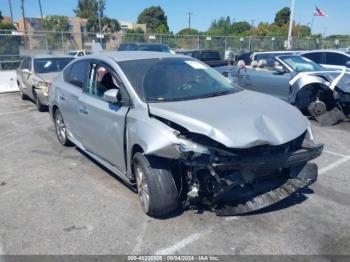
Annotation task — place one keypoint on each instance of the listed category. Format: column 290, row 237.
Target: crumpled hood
column 48, row 77
column 241, row 120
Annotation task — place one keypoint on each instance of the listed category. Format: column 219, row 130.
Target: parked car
column 299, row 81
column 77, row 53
column 330, row 59
column 144, row 47
column 269, row 56
column 210, row 57
column 34, row 76
column 181, row 132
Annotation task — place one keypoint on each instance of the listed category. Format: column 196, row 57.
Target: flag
column 319, row 12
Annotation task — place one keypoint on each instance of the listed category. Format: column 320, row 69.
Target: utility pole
column 99, row 19
column 10, row 4
column 189, row 19
column 251, row 35
column 41, row 10
column 24, row 23
column 291, row 20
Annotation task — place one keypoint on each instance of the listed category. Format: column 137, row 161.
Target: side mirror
column 279, row 70
column 112, row 96
column 26, row 71
column 347, row 64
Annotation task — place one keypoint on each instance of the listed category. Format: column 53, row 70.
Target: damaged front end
column 239, row 181
column 323, row 95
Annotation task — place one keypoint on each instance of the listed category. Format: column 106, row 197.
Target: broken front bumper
column 266, row 193
column 246, row 184
column 283, row 160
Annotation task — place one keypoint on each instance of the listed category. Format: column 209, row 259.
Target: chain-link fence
column 18, row 43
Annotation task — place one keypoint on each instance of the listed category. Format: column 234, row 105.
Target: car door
column 102, row 123
column 69, row 92
column 268, row 81
column 335, row 60
column 317, row 57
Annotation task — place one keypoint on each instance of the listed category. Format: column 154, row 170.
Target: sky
column 204, row 11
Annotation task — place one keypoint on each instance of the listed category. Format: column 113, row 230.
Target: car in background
column 180, row 133
column 299, row 81
column 35, row 74
column 210, row 57
column 144, row 47
column 245, row 57
column 77, row 53
column 268, row 56
column 331, row 59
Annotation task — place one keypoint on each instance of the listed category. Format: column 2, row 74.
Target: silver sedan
column 35, row 74
column 180, row 133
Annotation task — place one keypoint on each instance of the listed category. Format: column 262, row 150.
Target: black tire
column 157, row 179
column 60, row 129
column 38, row 104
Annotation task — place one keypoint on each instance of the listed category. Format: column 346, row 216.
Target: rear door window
column 336, row 59
column 317, row 57
column 76, row 74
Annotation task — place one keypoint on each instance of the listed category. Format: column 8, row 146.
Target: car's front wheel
column 155, row 184
column 21, row 94
column 39, row 105
column 60, row 128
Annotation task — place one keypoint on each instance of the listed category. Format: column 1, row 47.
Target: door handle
column 62, row 98
column 83, row 110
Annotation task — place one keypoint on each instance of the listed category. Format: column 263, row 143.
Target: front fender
column 303, row 80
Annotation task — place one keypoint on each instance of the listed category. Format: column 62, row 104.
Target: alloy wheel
column 60, row 127
column 142, row 187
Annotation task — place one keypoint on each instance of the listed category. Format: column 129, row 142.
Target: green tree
column 241, row 28
column 135, row 31
column 153, row 17
column 89, row 8
column 109, row 25
column 9, row 45
column 282, row 16
column 162, row 29
column 188, row 31
column 55, row 23
column 222, row 26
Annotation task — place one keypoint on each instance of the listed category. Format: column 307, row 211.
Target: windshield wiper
column 219, row 93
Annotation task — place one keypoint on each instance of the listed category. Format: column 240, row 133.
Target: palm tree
column 41, row 10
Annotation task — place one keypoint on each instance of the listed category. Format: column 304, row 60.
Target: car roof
column 276, row 52
column 120, row 56
column 326, row 50
column 141, row 43
column 195, row 50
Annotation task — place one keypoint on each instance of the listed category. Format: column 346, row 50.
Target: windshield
column 50, row 65
column 175, row 79
column 300, row 64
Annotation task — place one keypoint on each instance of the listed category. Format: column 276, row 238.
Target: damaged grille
column 263, row 150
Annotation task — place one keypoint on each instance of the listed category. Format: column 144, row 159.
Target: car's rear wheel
column 60, row 128
column 38, row 104
column 155, row 184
